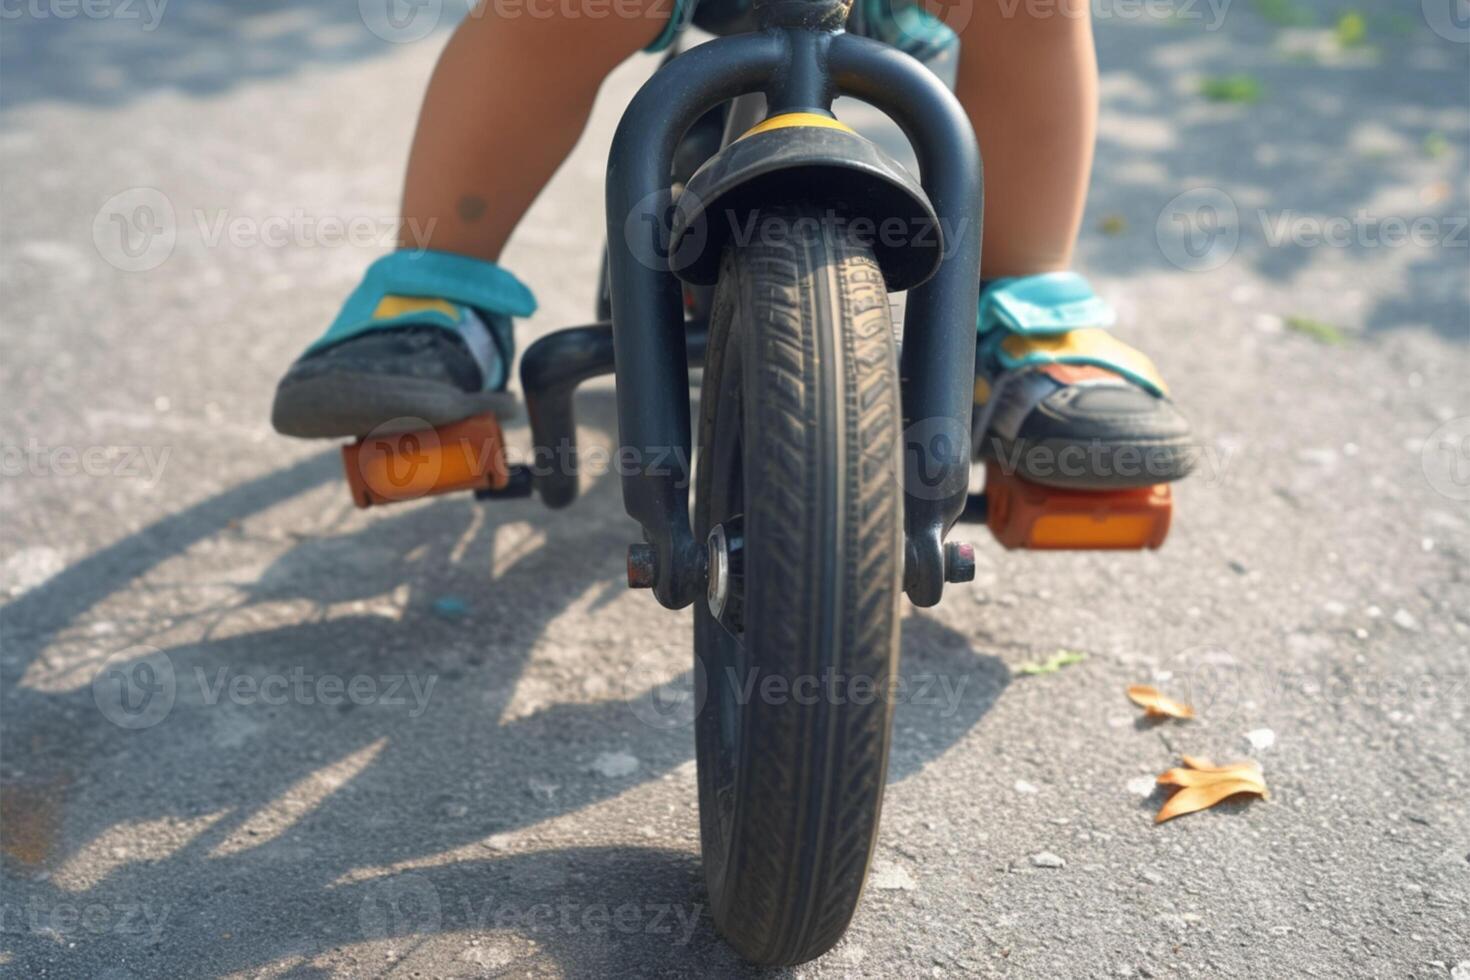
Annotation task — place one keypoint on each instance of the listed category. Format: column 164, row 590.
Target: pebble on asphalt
column 888, row 877
column 1261, row 739
column 615, row 764
column 450, row 607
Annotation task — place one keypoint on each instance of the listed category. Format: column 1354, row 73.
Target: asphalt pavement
column 250, row 731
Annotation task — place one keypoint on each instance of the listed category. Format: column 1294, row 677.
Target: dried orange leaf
column 1194, row 798
column 1156, row 705
column 1195, row 777
column 1205, row 784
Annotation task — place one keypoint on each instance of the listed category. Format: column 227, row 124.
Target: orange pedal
column 386, row 468
column 1022, row 514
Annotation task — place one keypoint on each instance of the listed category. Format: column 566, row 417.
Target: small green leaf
column 1231, row 88
column 1351, row 30
column 1284, row 13
column 1054, row 663
column 1436, row 145
column 1324, row 333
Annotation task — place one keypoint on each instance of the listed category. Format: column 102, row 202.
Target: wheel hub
column 726, row 577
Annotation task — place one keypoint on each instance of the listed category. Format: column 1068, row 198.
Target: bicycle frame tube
column 647, row 300
column 799, row 62
column 938, row 356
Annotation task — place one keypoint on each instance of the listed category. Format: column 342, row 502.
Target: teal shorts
column 683, row 14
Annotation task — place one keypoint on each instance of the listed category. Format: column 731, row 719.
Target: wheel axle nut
column 642, row 566
column 959, row 562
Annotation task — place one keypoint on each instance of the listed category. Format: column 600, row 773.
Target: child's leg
column 426, row 339
column 1029, row 84
column 1076, row 407
column 507, row 101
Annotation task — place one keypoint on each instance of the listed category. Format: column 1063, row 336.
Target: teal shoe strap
column 1054, row 318
column 1049, row 303
column 487, row 288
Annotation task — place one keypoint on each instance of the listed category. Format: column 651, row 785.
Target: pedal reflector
column 386, row 468
column 1022, row 514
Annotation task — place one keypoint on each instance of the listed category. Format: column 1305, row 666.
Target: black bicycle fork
column 800, row 61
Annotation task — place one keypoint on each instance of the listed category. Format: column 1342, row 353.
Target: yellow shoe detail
column 392, row 306
column 1085, row 346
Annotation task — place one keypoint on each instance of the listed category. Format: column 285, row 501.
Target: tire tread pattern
column 811, row 785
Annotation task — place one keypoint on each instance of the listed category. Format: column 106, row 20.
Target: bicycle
column 745, row 230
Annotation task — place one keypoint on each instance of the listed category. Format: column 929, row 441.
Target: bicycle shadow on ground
column 273, row 824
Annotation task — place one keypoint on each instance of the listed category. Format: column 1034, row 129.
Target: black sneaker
column 1061, row 402
column 407, row 376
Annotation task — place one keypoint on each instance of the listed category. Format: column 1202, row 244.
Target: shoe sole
column 1150, row 461
column 349, row 405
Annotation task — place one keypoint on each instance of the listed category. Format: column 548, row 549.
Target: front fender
column 817, row 162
